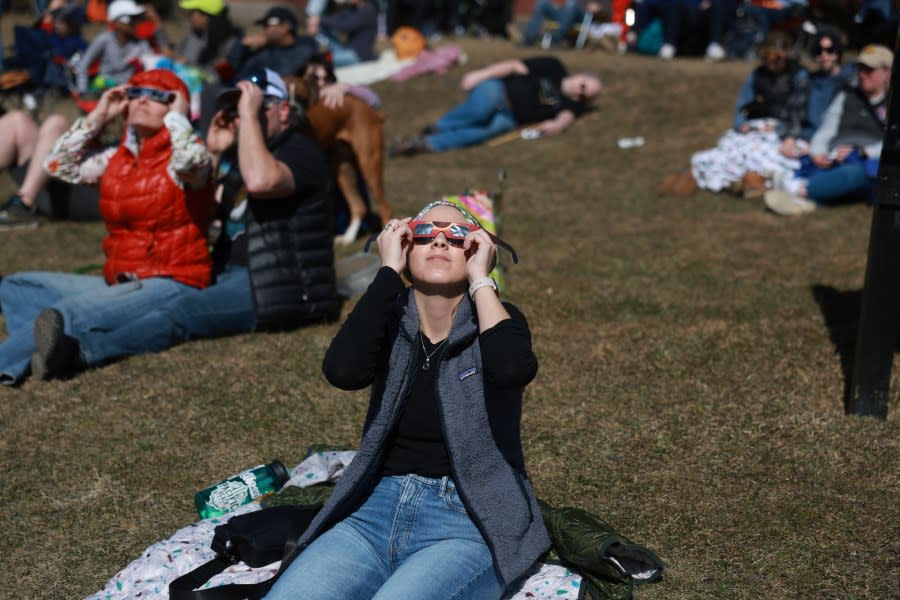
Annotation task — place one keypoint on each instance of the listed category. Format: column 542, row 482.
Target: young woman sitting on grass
column 436, row 504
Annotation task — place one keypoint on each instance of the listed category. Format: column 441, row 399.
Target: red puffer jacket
column 156, row 229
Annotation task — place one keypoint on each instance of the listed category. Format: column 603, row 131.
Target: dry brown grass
column 690, row 389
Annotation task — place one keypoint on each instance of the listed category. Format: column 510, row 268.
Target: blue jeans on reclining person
column 89, row 306
column 485, row 113
column 224, row 308
column 564, row 15
column 412, row 538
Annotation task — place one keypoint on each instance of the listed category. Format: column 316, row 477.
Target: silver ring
column 388, row 227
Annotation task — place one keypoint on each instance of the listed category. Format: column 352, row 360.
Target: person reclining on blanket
column 503, row 96
column 447, row 362
column 845, row 150
column 156, row 197
column 274, row 261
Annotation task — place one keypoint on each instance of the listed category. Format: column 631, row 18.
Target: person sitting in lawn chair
column 503, row 96
column 43, row 52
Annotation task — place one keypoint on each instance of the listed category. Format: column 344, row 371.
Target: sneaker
column 56, row 354
column 783, row 203
column 667, row 52
column 15, row 214
column 715, row 52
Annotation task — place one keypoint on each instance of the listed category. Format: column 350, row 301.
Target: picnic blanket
column 148, row 576
column 737, row 153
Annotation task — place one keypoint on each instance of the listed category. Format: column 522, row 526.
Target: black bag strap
column 185, row 587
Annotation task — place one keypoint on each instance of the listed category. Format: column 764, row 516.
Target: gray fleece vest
column 481, row 427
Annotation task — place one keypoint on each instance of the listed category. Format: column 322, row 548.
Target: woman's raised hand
column 481, row 254
column 393, row 243
column 112, row 103
column 180, row 104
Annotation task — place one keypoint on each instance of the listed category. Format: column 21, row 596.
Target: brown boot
column 680, row 184
column 753, row 185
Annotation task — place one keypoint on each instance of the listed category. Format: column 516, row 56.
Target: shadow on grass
column 841, row 312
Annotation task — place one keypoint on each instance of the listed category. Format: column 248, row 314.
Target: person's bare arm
column 558, row 124
column 494, row 71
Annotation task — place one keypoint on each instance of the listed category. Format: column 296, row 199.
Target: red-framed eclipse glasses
column 455, row 234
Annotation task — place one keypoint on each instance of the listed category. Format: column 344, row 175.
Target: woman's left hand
column 180, row 104
column 481, row 254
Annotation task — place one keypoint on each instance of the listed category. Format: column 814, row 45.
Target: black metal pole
column 880, row 311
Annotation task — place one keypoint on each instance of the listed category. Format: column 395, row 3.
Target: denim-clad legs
column 224, row 308
column 847, row 181
column 484, row 113
column 411, row 540
column 87, row 304
column 565, row 15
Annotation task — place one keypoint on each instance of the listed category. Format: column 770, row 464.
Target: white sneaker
column 782, row 203
column 667, row 52
column 715, row 52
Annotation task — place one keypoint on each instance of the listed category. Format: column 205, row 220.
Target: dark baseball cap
column 277, row 15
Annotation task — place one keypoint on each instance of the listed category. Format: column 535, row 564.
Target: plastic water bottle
column 244, row 487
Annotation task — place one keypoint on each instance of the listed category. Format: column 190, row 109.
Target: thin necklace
column 427, row 364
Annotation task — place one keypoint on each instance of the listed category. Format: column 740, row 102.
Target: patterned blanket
column 148, row 576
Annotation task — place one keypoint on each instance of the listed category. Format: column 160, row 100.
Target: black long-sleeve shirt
column 359, row 350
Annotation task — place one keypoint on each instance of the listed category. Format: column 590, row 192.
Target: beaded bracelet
column 480, row 283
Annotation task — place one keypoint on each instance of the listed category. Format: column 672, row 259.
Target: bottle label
column 228, row 496
column 249, row 480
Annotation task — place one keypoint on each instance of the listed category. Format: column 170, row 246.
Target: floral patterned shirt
column 78, row 158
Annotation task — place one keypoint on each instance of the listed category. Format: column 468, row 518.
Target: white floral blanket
column 736, row 154
column 148, row 577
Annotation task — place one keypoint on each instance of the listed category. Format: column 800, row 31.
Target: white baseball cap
column 123, row 8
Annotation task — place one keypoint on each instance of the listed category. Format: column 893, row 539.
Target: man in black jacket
column 274, row 260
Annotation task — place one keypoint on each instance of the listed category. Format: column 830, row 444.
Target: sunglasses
column 824, row 50
column 455, row 234
column 161, row 96
column 865, row 68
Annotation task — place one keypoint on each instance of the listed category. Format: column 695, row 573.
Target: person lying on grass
column 506, row 95
column 446, row 362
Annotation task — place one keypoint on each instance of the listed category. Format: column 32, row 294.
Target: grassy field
column 693, row 353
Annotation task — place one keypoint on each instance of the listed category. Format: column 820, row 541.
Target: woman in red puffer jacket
column 156, row 198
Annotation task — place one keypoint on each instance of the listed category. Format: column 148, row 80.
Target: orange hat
column 161, row 79
column 408, row 42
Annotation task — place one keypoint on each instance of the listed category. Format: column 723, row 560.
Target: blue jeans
column 341, row 55
column 846, row 181
column 484, row 114
column 766, row 18
column 224, row 308
column 88, row 306
column 545, row 9
column 411, row 540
